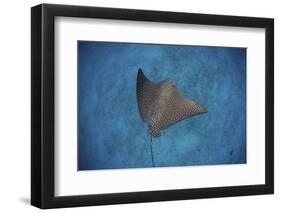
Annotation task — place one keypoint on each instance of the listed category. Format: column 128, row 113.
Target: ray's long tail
column 151, row 152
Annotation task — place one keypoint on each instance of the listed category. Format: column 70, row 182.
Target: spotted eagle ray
column 161, row 105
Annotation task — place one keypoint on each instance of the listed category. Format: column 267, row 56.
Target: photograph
column 160, row 105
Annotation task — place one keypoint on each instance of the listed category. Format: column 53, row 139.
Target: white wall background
column 15, row 105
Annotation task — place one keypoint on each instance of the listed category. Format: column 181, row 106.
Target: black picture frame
column 43, row 102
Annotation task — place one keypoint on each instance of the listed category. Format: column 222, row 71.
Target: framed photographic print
column 139, row 106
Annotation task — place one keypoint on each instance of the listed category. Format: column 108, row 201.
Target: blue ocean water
column 111, row 133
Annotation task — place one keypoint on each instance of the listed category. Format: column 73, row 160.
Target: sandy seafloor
column 111, row 134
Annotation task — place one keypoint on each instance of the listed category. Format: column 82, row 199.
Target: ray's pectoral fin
column 154, row 131
column 176, row 107
column 147, row 94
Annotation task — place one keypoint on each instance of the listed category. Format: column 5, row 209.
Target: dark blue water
column 111, row 132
